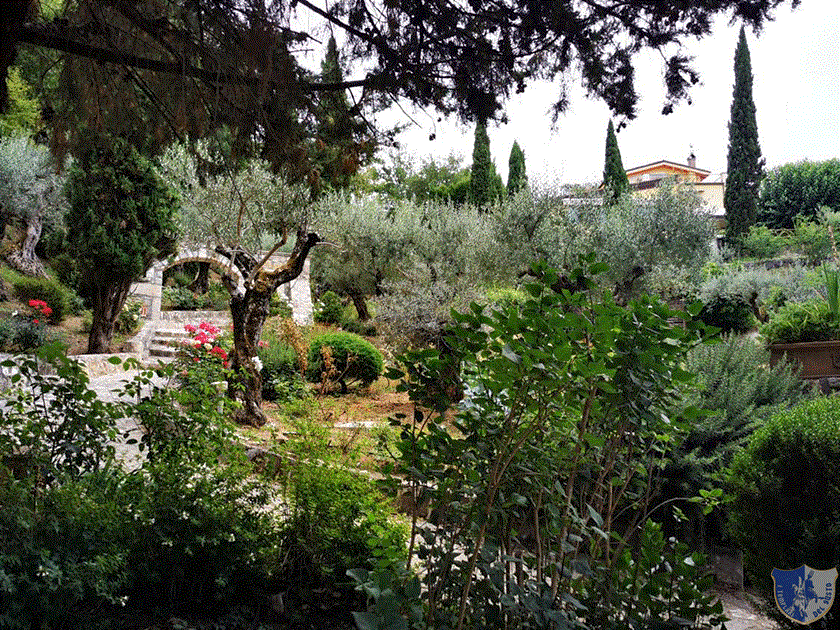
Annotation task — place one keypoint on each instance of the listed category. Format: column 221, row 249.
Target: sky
column 796, row 89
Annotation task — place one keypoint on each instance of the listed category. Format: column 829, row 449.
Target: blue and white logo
column 804, row 594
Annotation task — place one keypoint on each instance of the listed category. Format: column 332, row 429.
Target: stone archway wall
column 150, row 289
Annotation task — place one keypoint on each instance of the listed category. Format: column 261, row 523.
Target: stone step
column 172, row 333
column 159, row 349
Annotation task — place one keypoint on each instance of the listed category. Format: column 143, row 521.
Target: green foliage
column 278, row 307
column 638, row 234
column 549, row 383
column 799, row 189
column 505, row 297
column 354, row 358
column 339, row 519
column 517, row 178
column 280, row 370
column 744, row 164
column 121, row 212
column 761, row 242
column 482, row 190
column 50, row 291
column 22, row 334
column 183, row 299
column 330, row 309
column 23, row 113
column 730, row 313
column 663, row 585
column 786, row 493
column 80, row 537
column 812, row 239
column 802, row 321
column 739, row 390
column 62, row 552
column 366, row 329
column 615, row 177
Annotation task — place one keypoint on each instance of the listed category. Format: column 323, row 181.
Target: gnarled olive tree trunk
column 25, row 259
column 249, row 310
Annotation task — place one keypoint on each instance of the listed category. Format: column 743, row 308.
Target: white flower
column 208, row 346
column 257, row 363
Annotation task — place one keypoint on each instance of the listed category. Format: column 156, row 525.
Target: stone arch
column 150, row 288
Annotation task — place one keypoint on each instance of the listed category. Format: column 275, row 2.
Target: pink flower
column 262, row 344
column 35, row 321
column 46, row 311
column 190, row 328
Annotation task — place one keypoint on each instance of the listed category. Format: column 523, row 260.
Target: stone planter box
column 818, row 359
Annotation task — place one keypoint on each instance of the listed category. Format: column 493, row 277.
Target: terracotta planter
column 818, row 359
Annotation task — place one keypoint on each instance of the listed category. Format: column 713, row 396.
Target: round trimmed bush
column 354, row 359
column 730, row 313
column 786, row 493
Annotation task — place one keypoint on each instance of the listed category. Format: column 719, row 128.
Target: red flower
column 190, row 328
column 46, row 311
column 35, row 321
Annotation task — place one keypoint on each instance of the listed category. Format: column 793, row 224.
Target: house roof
column 667, row 163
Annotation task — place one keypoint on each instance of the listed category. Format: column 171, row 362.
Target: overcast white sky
column 796, row 88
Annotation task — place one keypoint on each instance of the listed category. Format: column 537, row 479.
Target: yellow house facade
column 645, row 179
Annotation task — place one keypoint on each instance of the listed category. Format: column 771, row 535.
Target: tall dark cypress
column 517, row 179
column 335, row 127
column 481, row 176
column 615, row 177
column 744, row 164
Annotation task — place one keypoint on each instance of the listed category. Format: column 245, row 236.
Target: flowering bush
column 24, row 332
column 41, row 310
column 204, row 358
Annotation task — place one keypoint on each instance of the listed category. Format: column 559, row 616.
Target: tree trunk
column 248, row 310
column 248, row 313
column 25, row 259
column 108, row 300
column 202, row 278
column 361, row 306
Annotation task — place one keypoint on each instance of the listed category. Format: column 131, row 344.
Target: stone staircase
column 162, row 337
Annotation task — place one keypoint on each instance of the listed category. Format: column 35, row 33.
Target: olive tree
column 246, row 215
column 31, row 190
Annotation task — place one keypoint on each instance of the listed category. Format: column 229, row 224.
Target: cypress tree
column 744, row 164
column 481, row 176
column 615, row 177
column 517, row 179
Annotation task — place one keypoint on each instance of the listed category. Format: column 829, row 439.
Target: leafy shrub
column 740, row 390
column 204, row 359
column 552, row 383
column 786, row 492
column 48, row 290
column 354, row 358
column 80, row 537
column 730, row 313
column 278, row 307
column 812, row 240
column 129, row 317
column 339, row 519
column 86, row 322
column 22, row 334
column 279, row 369
column 366, row 329
column 505, row 296
column 330, row 310
column 181, row 299
column 63, row 552
column 762, row 242
column 802, row 321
